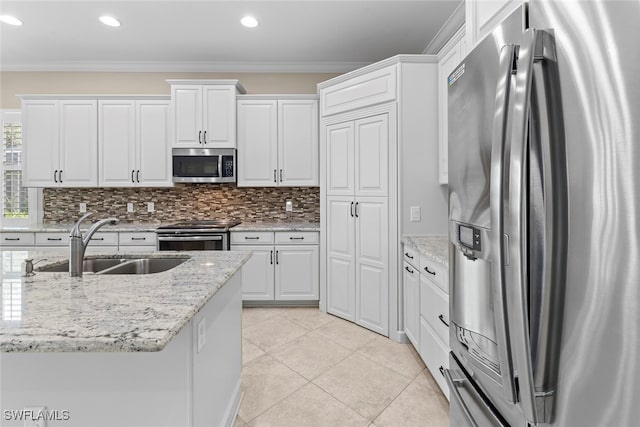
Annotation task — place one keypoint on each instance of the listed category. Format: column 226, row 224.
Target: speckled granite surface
column 277, row 226
column 434, row 247
column 52, row 312
column 64, row 228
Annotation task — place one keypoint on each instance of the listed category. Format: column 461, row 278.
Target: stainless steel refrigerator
column 544, row 209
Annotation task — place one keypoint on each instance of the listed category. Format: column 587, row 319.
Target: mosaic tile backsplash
column 183, row 202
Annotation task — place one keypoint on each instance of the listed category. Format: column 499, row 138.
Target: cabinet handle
column 441, row 317
column 138, row 238
column 200, row 137
column 271, row 256
column 95, row 238
column 296, row 238
column 55, row 172
column 441, row 369
column 138, row 175
column 132, row 171
column 12, row 238
column 277, row 260
column 356, row 210
column 429, row 271
column 409, row 270
column 251, row 238
column 275, row 175
column 60, row 176
column 407, row 255
column 54, row 239
column 280, row 175
column 351, row 209
column 204, row 139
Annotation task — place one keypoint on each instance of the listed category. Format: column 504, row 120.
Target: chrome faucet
column 78, row 244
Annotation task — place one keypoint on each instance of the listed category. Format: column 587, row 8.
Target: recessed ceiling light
column 11, row 20
column 249, row 22
column 110, row 21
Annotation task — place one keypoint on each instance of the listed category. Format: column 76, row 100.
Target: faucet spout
column 78, row 243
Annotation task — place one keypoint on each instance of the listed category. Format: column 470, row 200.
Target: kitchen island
column 159, row 349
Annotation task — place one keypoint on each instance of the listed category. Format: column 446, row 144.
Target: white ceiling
column 205, row 35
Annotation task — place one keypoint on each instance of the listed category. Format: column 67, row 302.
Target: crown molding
column 448, row 30
column 209, row 67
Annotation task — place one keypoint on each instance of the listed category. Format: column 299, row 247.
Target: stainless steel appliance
column 208, row 235
column 204, row 165
column 544, row 200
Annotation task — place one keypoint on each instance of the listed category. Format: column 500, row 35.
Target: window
column 19, row 204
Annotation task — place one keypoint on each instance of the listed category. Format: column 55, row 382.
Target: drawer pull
column 407, row 255
column 54, row 238
column 296, row 238
column 251, row 238
column 97, row 238
column 441, row 369
column 12, row 238
column 441, row 317
column 409, row 270
column 138, row 238
column 429, row 271
column 271, row 256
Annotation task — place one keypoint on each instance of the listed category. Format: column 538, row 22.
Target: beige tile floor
column 302, row 367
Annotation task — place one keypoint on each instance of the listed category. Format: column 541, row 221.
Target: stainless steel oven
column 211, row 235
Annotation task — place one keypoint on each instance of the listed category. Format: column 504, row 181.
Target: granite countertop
column 52, row 312
column 66, row 228
column 277, row 226
column 435, row 248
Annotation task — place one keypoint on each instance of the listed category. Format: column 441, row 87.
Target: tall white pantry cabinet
column 378, row 164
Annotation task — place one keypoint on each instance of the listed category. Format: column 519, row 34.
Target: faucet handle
column 75, row 231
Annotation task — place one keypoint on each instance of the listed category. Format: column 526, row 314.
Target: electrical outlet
column 82, row 207
column 202, row 334
column 129, row 207
column 415, row 213
column 35, row 416
column 151, row 207
column 288, row 206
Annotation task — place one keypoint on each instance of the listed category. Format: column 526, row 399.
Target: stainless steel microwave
column 204, row 165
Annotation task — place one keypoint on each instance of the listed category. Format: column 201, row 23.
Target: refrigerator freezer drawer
column 434, row 307
column 435, row 355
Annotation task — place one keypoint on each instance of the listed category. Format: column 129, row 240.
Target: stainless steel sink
column 144, row 266
column 118, row 265
column 88, row 265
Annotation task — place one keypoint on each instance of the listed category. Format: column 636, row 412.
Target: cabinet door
column 372, row 156
column 257, row 143
column 219, row 116
column 78, row 143
column 341, row 274
column 297, row 275
column 153, row 147
column 340, row 159
column 117, row 142
column 40, row 135
column 298, row 142
column 372, row 263
column 446, row 64
column 187, row 115
column 411, row 297
column 257, row 273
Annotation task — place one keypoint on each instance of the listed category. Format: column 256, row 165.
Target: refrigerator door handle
column 537, row 202
column 455, row 394
column 497, row 196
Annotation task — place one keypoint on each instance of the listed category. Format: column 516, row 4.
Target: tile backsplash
column 184, row 201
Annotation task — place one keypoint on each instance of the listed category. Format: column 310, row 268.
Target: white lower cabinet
column 435, row 354
column 411, row 285
column 284, row 265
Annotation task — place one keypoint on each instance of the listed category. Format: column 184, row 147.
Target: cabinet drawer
column 296, row 237
column 137, row 239
column 411, row 256
column 435, row 272
column 372, row 88
column 52, row 239
column 434, row 308
column 435, row 355
column 252, row 237
column 106, row 239
column 17, row 239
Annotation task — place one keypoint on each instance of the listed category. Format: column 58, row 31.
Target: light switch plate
column 129, row 207
column 415, row 213
column 151, row 207
column 288, row 206
column 82, row 207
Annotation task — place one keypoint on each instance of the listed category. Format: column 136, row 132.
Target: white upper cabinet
column 372, row 155
column 340, row 163
column 277, row 141
column 60, row 142
column 133, row 140
column 482, row 17
column 204, row 113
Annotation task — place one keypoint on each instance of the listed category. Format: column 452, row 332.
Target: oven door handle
column 188, row 238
